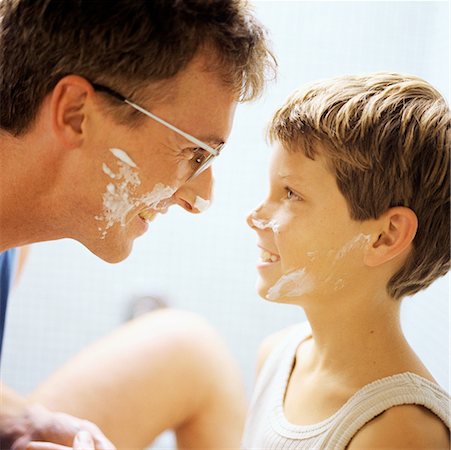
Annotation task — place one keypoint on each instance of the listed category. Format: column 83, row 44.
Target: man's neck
column 26, row 187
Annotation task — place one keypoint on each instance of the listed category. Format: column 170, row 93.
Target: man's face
column 128, row 175
column 311, row 248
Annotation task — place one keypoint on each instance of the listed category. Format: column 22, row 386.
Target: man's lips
column 149, row 214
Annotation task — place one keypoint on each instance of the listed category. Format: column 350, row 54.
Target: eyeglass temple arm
column 208, row 148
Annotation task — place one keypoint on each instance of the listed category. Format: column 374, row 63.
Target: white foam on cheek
column 108, row 171
column 118, row 199
column 201, row 204
column 159, row 193
column 121, row 155
column 359, row 241
column 263, row 225
column 293, row 284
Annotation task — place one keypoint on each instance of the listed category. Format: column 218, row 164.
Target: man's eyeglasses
column 203, row 161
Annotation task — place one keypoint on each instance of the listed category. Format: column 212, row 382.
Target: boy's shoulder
column 270, row 343
column 404, row 426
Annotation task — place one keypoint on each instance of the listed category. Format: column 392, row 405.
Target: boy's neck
column 357, row 338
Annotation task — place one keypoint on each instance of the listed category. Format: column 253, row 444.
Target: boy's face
column 310, row 245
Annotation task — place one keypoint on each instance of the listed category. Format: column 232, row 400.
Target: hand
column 40, row 429
column 82, row 441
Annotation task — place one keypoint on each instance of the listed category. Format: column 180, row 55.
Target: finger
column 45, row 446
column 101, row 441
column 83, row 441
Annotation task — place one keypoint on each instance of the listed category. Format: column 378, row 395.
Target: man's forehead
column 202, row 105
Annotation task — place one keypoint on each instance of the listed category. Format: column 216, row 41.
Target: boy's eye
column 290, row 195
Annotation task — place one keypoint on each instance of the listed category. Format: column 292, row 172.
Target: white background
column 68, row 298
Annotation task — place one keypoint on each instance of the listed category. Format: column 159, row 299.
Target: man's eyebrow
column 211, row 140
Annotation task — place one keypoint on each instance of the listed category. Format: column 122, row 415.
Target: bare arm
column 406, row 426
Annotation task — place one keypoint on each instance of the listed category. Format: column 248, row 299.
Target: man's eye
column 198, row 156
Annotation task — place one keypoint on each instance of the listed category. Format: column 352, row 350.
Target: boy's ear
column 397, row 229
column 68, row 109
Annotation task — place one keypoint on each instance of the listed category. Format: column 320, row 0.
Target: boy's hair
column 387, row 140
column 122, row 43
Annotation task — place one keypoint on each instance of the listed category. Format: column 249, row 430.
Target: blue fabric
column 6, row 268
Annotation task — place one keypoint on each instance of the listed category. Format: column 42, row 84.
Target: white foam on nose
column 266, row 224
column 201, row 204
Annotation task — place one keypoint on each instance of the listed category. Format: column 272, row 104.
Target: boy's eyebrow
column 290, row 176
column 297, row 180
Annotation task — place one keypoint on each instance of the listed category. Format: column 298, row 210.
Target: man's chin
column 110, row 250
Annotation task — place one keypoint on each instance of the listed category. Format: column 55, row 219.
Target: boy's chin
column 262, row 289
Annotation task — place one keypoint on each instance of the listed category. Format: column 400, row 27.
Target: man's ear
column 396, row 230
column 68, row 109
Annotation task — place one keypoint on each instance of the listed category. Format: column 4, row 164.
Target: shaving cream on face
column 121, row 155
column 108, row 171
column 359, row 241
column 335, row 276
column 263, row 225
column 292, row 284
column 201, row 204
column 159, row 193
column 119, row 198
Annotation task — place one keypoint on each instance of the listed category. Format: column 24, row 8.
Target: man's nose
column 195, row 195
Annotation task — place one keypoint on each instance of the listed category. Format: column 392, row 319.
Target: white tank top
column 268, row 429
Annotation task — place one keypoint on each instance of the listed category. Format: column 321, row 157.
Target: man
column 112, row 112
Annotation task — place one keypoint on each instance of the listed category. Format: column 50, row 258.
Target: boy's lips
column 267, row 256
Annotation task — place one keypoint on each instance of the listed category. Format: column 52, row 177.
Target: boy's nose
column 252, row 216
column 196, row 193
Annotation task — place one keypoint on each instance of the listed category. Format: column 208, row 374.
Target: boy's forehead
column 294, row 164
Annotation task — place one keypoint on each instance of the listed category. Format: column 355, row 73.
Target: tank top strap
column 375, row 398
column 278, row 363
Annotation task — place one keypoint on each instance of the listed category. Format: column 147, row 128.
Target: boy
column 356, row 219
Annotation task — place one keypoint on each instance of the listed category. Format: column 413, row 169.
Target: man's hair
column 386, row 138
column 124, row 44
